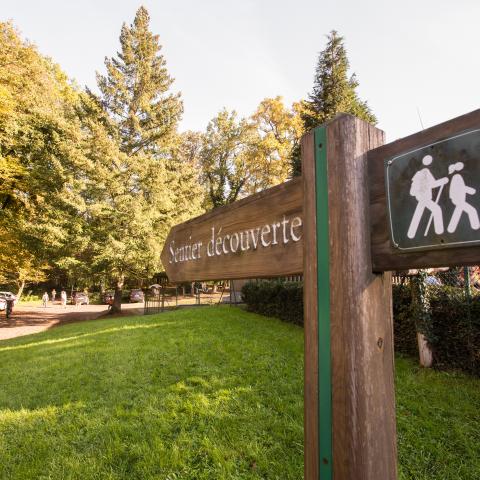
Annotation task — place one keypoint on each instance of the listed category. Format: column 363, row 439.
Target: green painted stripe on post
column 323, row 292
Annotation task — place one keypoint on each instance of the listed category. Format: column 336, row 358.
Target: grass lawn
column 206, row 393
column 438, row 421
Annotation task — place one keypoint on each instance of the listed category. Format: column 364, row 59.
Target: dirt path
column 33, row 319
column 28, row 319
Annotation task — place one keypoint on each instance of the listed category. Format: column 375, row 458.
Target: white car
column 8, row 296
column 3, row 304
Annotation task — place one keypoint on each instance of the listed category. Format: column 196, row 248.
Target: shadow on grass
column 193, row 395
column 123, row 328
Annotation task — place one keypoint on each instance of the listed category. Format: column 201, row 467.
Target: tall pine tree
column 333, row 92
column 140, row 185
column 135, row 91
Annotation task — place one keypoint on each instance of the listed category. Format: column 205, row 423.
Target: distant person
column 45, row 300
column 54, row 294
column 9, row 308
column 63, row 298
column 110, row 302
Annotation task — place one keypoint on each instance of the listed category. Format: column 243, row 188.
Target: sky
column 417, row 62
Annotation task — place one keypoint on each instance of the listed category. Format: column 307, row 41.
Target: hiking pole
column 431, row 214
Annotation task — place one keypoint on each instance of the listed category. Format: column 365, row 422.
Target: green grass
column 206, row 393
column 438, row 421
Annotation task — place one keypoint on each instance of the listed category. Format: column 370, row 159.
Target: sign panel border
column 388, row 164
column 385, row 257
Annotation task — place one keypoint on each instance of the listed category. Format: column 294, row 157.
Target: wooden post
column 310, row 307
column 350, row 429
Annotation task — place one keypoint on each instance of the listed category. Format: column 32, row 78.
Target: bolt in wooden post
column 350, row 429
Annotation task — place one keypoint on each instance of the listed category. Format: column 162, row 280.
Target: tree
column 90, row 184
column 278, row 131
column 225, row 159
column 135, row 91
column 239, row 157
column 333, row 92
column 186, row 153
column 137, row 184
column 19, row 265
column 39, row 139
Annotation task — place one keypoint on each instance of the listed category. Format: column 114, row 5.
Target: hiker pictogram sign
column 433, row 194
column 425, row 197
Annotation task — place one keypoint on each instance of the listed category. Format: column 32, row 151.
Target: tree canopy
column 238, row 157
column 92, row 183
column 39, row 138
column 138, row 182
column 333, row 92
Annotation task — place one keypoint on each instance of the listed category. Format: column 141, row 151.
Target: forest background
column 91, row 183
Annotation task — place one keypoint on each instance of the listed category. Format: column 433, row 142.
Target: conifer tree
column 140, row 185
column 135, row 91
column 333, row 92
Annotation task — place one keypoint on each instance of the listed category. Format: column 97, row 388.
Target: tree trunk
column 423, row 318
column 424, row 351
column 20, row 290
column 117, row 299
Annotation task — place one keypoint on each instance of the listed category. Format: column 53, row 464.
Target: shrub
column 455, row 335
column 274, row 298
column 404, row 329
column 30, row 297
column 454, row 330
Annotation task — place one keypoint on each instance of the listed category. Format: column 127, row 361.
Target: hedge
column 456, row 327
column 452, row 329
column 404, row 329
column 278, row 299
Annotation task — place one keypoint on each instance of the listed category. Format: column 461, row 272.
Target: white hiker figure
column 458, row 195
column 423, row 184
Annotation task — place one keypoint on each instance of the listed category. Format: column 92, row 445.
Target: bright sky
column 410, row 56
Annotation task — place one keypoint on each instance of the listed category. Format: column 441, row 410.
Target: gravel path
column 28, row 319
column 33, row 319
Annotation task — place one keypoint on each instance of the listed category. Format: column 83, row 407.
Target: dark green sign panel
column 433, row 194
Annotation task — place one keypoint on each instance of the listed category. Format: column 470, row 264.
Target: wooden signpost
column 343, row 225
column 349, row 391
column 258, row 236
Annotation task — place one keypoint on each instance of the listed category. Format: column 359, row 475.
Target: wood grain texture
column 363, row 398
column 264, row 208
column 384, row 255
column 310, row 297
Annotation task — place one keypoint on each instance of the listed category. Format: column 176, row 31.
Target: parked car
column 136, row 295
column 3, row 304
column 9, row 296
column 108, row 297
column 79, row 298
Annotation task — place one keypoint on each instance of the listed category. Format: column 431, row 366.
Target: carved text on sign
column 268, row 235
column 259, row 236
